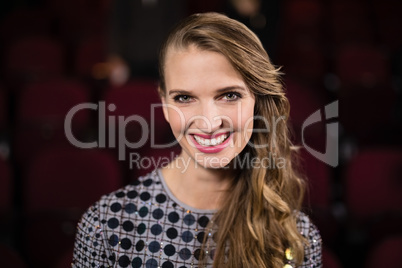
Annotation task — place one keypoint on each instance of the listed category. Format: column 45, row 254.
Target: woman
column 231, row 198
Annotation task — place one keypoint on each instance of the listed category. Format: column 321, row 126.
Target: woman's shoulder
column 144, row 188
column 313, row 249
column 304, row 224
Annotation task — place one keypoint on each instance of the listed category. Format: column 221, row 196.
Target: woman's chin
column 214, row 163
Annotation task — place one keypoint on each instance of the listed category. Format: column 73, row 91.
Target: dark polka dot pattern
column 144, row 225
column 128, row 226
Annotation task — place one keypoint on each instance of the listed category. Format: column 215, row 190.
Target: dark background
column 57, row 54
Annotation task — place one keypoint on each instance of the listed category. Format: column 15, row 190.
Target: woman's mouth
column 211, row 141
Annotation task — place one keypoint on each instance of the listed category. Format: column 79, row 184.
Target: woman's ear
column 164, row 105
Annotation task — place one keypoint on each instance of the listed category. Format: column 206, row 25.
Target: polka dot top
column 144, row 225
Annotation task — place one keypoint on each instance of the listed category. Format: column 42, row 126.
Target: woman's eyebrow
column 179, row 92
column 225, row 89
column 221, row 90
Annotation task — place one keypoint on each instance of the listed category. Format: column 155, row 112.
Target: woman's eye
column 231, row 96
column 182, row 98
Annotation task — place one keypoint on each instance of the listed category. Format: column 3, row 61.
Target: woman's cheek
column 177, row 122
column 247, row 122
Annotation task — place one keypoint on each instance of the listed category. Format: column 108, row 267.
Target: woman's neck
column 196, row 186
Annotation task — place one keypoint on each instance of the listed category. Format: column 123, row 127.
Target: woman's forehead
column 193, row 67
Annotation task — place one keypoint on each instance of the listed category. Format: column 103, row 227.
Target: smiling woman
column 221, row 94
column 214, row 101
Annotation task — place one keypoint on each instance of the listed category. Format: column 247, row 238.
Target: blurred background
column 57, row 54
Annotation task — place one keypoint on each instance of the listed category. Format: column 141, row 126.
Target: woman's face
column 208, row 106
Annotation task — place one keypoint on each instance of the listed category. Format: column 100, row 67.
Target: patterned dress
column 144, row 225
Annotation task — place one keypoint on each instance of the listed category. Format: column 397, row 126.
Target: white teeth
column 209, row 142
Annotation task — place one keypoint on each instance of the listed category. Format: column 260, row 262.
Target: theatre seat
column 34, row 58
column 9, row 257
column 6, row 187
column 329, row 259
column 42, row 108
column 58, row 187
column 372, row 195
column 386, row 254
column 373, row 182
column 65, row 260
column 362, row 66
column 388, row 18
column 88, row 58
column 3, row 110
column 349, row 23
column 25, row 22
column 137, row 102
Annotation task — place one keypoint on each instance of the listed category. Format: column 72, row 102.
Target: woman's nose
column 209, row 119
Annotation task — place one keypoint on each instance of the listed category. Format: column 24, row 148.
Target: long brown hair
column 257, row 221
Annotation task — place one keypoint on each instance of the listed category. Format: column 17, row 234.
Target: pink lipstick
column 211, row 144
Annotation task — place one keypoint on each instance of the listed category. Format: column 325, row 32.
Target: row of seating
column 362, row 65
column 338, row 50
column 306, row 25
column 332, row 44
column 43, row 108
column 34, row 58
column 342, row 22
column 354, row 20
column 66, row 20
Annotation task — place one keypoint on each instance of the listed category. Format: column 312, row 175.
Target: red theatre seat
column 25, row 22
column 304, row 102
column 386, row 254
column 65, row 260
column 329, row 259
column 318, row 180
column 63, row 178
column 318, row 197
column 349, row 23
column 388, row 21
column 89, row 56
column 41, row 112
column 362, row 66
column 59, row 185
column 373, row 183
column 303, row 18
column 34, row 58
column 139, row 99
column 3, row 109
column 6, row 187
column 11, row 258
